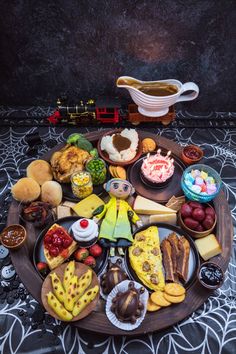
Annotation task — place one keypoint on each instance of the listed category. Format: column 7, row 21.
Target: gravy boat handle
column 188, row 86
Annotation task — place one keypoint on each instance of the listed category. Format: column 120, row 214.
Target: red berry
column 57, row 241
column 67, row 242
column 42, row 265
column 54, row 251
column 95, row 250
column 47, row 239
column 81, row 254
column 84, row 223
column 90, row 261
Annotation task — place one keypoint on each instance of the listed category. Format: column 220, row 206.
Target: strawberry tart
column 85, row 232
column 157, row 170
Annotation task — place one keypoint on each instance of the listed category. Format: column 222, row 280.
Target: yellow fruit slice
column 70, row 295
column 57, row 287
column 68, row 273
column 58, row 308
column 83, row 283
column 86, row 299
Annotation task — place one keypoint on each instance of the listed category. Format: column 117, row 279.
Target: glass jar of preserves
column 81, row 184
column 97, row 169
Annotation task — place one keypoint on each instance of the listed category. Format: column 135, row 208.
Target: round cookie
column 158, row 298
column 151, row 306
column 174, row 289
column 174, row 299
column 40, row 171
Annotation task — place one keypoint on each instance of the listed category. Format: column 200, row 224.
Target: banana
column 84, row 282
column 58, row 308
column 88, row 297
column 57, row 287
column 68, row 273
column 70, row 295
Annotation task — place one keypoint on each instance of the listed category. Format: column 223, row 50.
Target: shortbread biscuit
column 158, row 298
column 174, row 289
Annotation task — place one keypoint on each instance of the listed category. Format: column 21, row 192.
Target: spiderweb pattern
column 211, row 329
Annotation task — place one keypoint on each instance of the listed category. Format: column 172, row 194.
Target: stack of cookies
column 173, row 293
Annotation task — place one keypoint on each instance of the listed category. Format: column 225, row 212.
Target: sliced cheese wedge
column 149, row 207
column 165, row 218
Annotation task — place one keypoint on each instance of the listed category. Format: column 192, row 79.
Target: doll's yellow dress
column 116, row 223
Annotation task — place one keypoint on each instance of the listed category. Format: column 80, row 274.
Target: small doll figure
column 115, row 230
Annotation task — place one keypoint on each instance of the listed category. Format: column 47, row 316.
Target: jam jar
column 81, row 184
column 97, row 168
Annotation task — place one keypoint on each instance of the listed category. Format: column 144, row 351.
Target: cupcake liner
column 123, row 286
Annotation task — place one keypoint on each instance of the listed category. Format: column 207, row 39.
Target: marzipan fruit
column 88, row 297
column 71, row 296
column 58, row 308
column 57, row 287
column 68, row 273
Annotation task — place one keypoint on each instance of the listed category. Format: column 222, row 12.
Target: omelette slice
column 146, row 259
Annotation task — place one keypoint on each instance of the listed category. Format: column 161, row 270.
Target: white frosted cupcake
column 85, row 232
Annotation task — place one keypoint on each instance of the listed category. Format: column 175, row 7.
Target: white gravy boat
column 157, row 106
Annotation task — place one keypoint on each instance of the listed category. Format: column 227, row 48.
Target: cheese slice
column 63, row 211
column 165, row 218
column 148, row 207
column 69, row 204
column 86, row 207
column 208, row 247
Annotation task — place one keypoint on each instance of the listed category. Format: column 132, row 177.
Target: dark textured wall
column 81, row 47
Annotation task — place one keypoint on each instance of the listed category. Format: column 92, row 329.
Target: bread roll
column 40, row 171
column 26, row 190
column 51, row 192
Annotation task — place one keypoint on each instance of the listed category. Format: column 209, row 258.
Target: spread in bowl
column 85, row 232
column 191, row 154
column 211, row 275
column 13, row 236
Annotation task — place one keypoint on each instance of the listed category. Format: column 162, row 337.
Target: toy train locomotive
column 102, row 110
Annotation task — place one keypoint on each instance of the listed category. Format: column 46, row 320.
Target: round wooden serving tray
column 97, row 320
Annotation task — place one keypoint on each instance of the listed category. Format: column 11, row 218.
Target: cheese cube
column 208, row 247
column 86, row 207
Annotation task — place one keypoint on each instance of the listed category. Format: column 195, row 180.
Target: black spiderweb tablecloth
column 26, row 328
